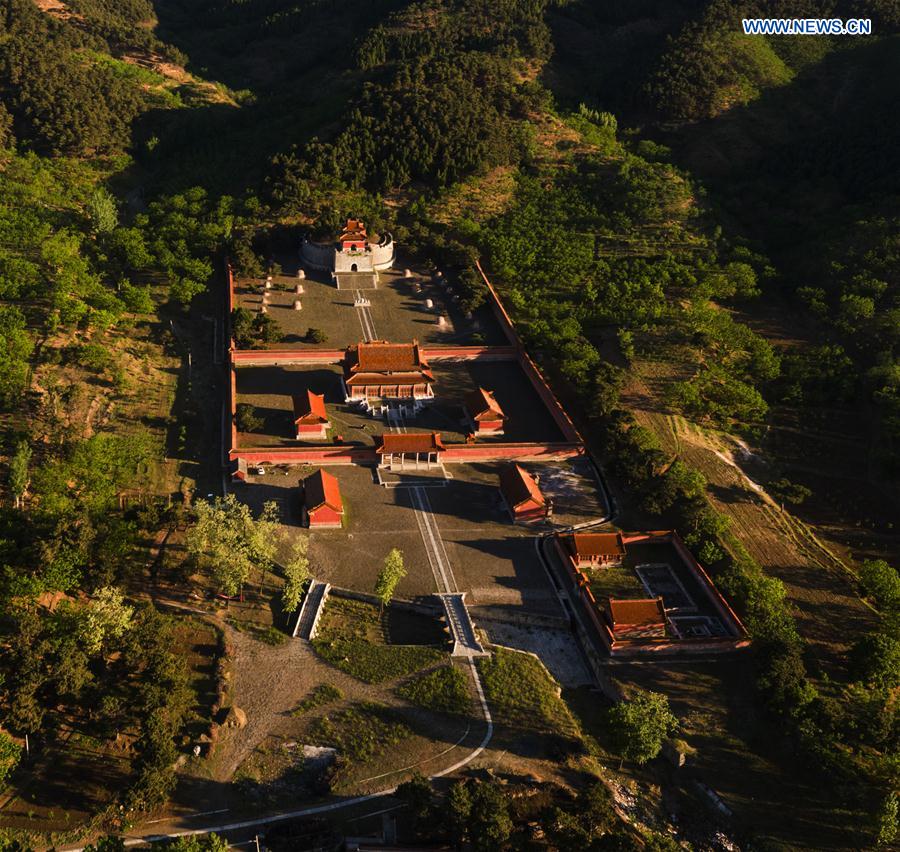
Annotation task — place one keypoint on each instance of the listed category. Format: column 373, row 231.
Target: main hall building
column 382, row 371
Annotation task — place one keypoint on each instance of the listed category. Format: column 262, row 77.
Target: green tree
column 591, row 817
column 392, row 572
column 458, row 811
column 489, row 821
column 875, row 659
column 242, row 327
column 641, row 724
column 296, row 573
column 103, row 212
column 267, row 328
column 196, row 843
column 247, row 418
column 10, row 754
column 106, row 617
column 417, row 794
column 16, row 347
column 226, row 538
column 881, row 582
column 18, row 470
column 888, row 820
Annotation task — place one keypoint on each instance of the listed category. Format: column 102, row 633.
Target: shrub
column 247, row 418
column 444, row 689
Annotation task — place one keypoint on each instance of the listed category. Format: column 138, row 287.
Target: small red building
column 322, row 503
column 310, row 416
column 419, row 448
column 594, row 550
column 386, row 371
column 354, row 236
column 486, row 415
column 523, row 498
column 642, row 618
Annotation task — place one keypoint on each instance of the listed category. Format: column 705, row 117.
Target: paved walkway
column 311, row 609
column 365, row 317
column 465, row 642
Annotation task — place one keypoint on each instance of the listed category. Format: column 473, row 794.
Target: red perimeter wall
column 572, row 446
column 566, row 426
column 662, row 647
column 339, row 454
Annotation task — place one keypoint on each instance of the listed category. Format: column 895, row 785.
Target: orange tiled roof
column 321, row 489
column 519, row 486
column 597, row 544
column 370, row 363
column 482, row 406
column 379, row 356
column 354, row 229
column 389, row 379
column 415, row 442
column 639, row 612
column 310, row 408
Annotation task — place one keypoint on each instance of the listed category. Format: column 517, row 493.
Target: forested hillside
column 694, row 230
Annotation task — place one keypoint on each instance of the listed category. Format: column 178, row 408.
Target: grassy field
column 354, row 637
column 361, row 732
column 445, row 689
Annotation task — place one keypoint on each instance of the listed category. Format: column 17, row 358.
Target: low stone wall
column 421, row 607
column 485, row 615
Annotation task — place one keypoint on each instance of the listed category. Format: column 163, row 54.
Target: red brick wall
column 726, row 613
column 502, row 452
column 366, row 455
column 288, row 356
column 469, row 353
column 232, row 403
column 567, row 427
column 306, row 455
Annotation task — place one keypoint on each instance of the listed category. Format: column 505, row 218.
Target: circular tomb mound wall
column 383, row 252
column 317, row 255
